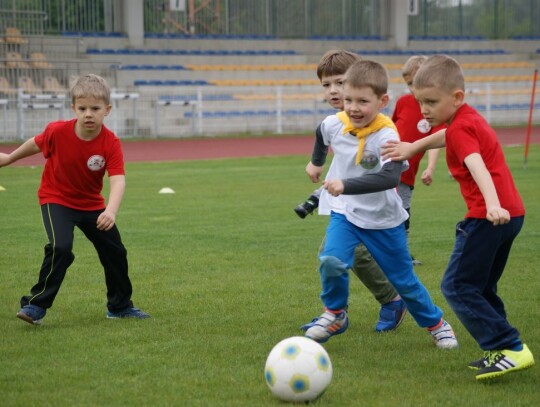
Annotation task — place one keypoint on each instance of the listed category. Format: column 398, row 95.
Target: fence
column 495, row 19
column 210, row 110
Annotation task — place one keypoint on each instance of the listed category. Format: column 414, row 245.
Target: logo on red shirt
column 423, row 126
column 95, row 163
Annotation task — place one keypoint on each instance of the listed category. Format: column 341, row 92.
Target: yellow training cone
column 2, row 188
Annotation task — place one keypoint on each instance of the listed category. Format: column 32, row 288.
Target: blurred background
column 184, row 68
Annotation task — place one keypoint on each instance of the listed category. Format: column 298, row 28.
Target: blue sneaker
column 326, row 326
column 32, row 314
column 391, row 316
column 128, row 313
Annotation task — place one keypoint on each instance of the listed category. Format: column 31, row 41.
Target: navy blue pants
column 470, row 281
column 60, row 222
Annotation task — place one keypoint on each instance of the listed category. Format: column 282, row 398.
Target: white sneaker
column 327, row 325
column 444, row 337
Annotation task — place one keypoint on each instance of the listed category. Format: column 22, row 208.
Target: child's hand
column 497, row 215
column 105, row 220
column 427, row 177
column 314, row 172
column 335, row 187
column 397, row 150
column 4, row 159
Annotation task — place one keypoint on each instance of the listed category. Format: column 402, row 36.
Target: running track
column 200, row 149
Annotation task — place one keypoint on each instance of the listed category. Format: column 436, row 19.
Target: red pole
column 529, row 124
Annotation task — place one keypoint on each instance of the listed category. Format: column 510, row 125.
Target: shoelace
column 493, row 357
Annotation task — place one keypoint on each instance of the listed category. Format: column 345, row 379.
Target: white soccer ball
column 298, row 369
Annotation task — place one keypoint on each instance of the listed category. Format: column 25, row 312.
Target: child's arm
column 387, row 178
column 314, row 168
column 28, row 148
column 400, row 151
column 494, row 213
column 107, row 218
column 427, row 175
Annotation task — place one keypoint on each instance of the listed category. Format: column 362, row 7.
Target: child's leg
column 335, row 260
column 113, row 257
column 389, row 248
column 59, row 223
column 470, row 281
column 371, row 275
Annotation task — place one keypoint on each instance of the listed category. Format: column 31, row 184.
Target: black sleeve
column 320, row 150
column 387, row 178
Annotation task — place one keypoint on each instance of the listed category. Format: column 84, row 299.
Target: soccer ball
column 298, row 369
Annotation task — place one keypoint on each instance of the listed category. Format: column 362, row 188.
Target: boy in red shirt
column 78, row 153
column 494, row 218
column 412, row 126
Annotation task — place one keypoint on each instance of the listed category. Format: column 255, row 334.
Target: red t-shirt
column 411, row 126
column 74, row 170
column 467, row 134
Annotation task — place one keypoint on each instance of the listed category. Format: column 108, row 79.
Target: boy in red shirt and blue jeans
column 78, row 153
column 494, row 218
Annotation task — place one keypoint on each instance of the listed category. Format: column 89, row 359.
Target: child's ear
column 384, row 100
column 108, row 110
column 459, row 97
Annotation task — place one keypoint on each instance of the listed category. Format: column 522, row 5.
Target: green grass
column 227, row 270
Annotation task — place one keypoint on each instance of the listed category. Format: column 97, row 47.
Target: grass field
column 227, row 270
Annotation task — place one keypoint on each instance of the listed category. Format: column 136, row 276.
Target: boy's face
column 362, row 105
column 438, row 105
column 408, row 78
column 90, row 113
column 333, row 90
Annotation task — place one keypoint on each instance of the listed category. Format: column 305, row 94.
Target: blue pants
column 389, row 249
column 470, row 281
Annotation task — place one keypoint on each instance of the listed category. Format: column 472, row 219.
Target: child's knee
column 332, row 267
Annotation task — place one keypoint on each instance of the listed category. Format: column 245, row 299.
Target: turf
column 227, row 270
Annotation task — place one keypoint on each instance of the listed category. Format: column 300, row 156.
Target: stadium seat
column 5, row 87
column 51, row 85
column 27, row 85
column 13, row 36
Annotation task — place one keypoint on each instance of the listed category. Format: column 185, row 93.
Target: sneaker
column 32, row 314
column 444, row 336
column 480, row 363
column 128, row 313
column 506, row 361
column 327, row 325
column 416, row 262
column 391, row 316
column 306, row 208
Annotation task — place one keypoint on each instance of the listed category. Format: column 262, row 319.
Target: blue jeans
column 470, row 281
column 389, row 249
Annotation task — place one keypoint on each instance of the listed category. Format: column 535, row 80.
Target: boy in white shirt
column 361, row 197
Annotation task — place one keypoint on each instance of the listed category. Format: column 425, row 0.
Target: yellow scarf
column 381, row 121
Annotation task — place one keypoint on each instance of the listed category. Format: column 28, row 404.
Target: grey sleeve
column 387, row 178
column 320, row 150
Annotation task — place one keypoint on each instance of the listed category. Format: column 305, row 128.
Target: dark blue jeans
column 470, row 281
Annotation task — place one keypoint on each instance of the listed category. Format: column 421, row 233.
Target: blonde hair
column 369, row 74
column 336, row 62
column 412, row 64
column 440, row 71
column 90, row 85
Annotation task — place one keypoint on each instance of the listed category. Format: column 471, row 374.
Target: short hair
column 90, row 85
column 412, row 64
column 440, row 71
column 369, row 74
column 336, row 62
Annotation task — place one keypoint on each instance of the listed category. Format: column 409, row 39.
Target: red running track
column 212, row 148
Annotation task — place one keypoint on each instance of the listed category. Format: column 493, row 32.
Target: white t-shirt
column 378, row 210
